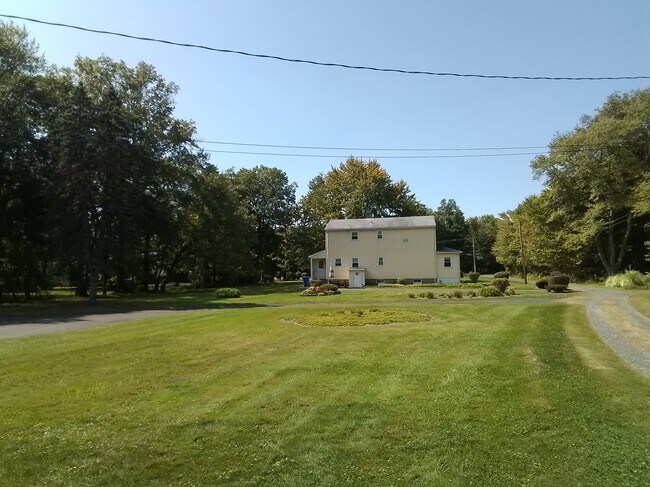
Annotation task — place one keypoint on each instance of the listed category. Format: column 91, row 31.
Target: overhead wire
column 322, row 63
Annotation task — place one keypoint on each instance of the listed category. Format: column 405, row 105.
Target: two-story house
column 372, row 250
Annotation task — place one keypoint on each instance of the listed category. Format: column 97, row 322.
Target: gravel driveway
column 619, row 324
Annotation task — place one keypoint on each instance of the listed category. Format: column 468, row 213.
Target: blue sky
column 239, row 99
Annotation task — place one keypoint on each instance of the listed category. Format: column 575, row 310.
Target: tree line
column 593, row 216
column 103, row 188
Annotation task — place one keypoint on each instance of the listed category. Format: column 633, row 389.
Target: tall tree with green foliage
column 270, row 201
column 25, row 165
column 592, row 173
column 359, row 189
column 479, row 240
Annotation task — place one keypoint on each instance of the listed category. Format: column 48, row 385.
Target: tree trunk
column 144, row 284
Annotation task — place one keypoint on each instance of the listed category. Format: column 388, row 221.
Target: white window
column 447, row 262
column 355, row 262
column 354, row 235
column 380, row 234
column 380, row 261
column 337, row 262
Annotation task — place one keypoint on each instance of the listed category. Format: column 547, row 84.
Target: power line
column 405, row 149
column 340, row 156
column 326, row 64
column 380, row 149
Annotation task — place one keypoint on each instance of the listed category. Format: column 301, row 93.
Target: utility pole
column 521, row 247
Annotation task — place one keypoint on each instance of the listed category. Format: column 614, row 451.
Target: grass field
column 640, row 299
column 268, row 294
column 512, row 394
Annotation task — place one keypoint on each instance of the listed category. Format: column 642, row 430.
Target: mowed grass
column 495, row 394
column 65, row 303
column 640, row 299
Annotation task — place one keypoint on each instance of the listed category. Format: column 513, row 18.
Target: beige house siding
column 408, row 253
column 448, row 274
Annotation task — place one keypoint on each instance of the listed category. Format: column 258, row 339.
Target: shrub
column 489, row 292
column 227, row 292
column 431, row 295
column 422, row 295
column 501, row 283
column 411, row 295
column 556, row 273
column 315, row 282
column 629, row 280
column 562, row 279
column 457, row 294
column 502, row 275
column 329, row 287
column 473, row 276
column 556, row 288
column 542, row 283
column 471, row 294
column 401, row 281
column 510, row 291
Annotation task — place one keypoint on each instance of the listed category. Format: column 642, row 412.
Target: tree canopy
column 359, row 189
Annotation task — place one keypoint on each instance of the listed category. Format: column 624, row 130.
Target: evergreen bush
column 542, row 283
column 473, row 276
column 501, row 283
column 502, row 275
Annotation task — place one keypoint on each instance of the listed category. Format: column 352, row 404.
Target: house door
column 320, row 270
column 357, row 279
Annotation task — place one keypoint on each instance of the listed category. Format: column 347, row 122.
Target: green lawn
column 64, row 302
column 508, row 394
column 640, row 299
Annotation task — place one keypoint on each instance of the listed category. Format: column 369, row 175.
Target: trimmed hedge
column 556, row 279
column 329, row 287
column 502, row 275
column 473, row 276
column 542, row 283
column 556, row 288
column 501, row 283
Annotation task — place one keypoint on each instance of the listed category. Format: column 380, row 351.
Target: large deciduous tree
column 270, row 201
column 592, row 175
column 359, row 189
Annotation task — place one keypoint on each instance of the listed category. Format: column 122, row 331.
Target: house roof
column 322, row 254
column 382, row 223
column 442, row 248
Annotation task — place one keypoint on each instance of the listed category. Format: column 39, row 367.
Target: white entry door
column 320, row 270
column 357, row 279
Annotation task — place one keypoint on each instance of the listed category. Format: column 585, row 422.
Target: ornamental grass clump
column 227, row 292
column 489, row 292
column 629, row 280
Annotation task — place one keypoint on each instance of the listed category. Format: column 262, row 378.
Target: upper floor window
column 337, row 262
column 380, row 234
column 355, row 262
column 447, row 262
column 354, row 235
column 380, row 261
